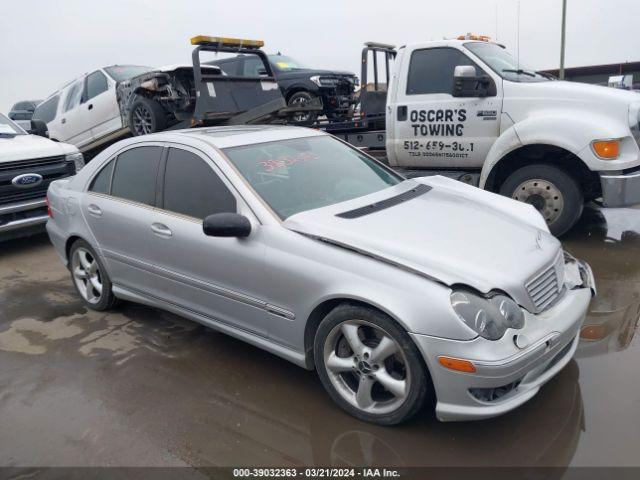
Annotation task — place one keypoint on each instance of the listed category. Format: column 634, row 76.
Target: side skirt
column 264, row 343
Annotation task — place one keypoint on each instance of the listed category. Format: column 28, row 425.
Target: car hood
column 26, row 147
column 453, row 233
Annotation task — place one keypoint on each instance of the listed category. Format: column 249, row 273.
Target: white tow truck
column 466, row 107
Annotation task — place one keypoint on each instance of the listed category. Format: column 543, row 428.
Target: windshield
column 7, row 127
column 501, row 62
column 125, row 72
column 301, row 174
column 283, row 63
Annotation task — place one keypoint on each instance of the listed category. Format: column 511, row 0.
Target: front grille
column 545, row 288
column 51, row 168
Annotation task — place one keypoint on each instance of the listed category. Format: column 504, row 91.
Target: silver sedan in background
column 394, row 290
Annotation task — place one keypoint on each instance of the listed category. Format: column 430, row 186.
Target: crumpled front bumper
column 620, row 190
column 517, row 376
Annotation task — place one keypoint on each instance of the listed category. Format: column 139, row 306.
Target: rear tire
column 386, row 385
column 146, row 116
column 90, row 278
column 552, row 191
column 303, row 99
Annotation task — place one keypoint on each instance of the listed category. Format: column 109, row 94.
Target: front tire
column 553, row 192
column 146, row 116
column 90, row 278
column 369, row 365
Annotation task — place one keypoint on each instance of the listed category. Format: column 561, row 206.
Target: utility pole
column 562, row 42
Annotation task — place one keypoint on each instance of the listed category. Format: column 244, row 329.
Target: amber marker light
column 592, row 332
column 606, row 149
column 457, row 364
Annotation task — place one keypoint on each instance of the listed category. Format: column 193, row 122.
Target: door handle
column 94, row 210
column 402, row 113
column 161, row 230
column 90, row 106
column 64, row 120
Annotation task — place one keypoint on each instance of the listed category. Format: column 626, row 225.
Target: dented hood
column 452, row 233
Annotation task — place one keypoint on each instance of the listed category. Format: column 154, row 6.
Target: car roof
column 235, row 136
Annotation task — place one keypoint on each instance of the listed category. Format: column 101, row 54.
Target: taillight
column 49, row 211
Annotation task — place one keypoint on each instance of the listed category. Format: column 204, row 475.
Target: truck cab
column 467, row 104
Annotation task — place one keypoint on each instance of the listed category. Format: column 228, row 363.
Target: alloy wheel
column 142, row 123
column 86, row 274
column 367, row 367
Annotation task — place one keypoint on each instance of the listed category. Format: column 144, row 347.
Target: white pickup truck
column 468, row 106
column 28, row 163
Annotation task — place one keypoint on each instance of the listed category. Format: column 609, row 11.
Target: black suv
column 300, row 85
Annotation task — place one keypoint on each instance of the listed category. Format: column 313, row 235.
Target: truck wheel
column 146, row 116
column 551, row 190
column 303, row 99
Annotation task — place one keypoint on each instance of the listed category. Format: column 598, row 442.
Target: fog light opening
column 493, row 394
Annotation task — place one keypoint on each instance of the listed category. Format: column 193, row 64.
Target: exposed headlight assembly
column 77, row 159
column 324, row 81
column 489, row 317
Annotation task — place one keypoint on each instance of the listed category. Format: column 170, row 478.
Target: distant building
column 600, row 74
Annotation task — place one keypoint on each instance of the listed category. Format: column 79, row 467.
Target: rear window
column 125, row 72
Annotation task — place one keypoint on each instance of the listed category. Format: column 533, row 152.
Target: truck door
column 432, row 128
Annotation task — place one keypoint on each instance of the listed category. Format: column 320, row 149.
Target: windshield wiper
column 547, row 75
column 518, row 71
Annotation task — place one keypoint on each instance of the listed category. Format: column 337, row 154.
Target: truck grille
column 51, row 168
column 545, row 288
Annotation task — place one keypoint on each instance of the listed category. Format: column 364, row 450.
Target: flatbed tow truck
column 203, row 95
column 462, row 107
column 467, row 109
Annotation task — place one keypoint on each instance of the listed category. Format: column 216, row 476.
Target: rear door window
column 135, row 174
column 74, row 95
column 96, row 84
column 192, row 188
column 46, row 111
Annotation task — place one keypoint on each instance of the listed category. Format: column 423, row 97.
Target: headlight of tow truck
column 489, row 317
column 77, row 159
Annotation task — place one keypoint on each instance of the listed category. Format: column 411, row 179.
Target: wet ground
column 144, row 387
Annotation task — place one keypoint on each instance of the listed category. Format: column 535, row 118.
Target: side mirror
column 467, row 83
column 226, row 225
column 38, row 127
column 262, row 71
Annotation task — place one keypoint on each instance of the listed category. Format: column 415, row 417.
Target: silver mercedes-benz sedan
column 394, row 290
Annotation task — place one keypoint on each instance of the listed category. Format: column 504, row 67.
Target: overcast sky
column 47, row 43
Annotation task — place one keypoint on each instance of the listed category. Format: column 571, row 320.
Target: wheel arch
column 69, row 242
column 321, row 310
column 542, row 153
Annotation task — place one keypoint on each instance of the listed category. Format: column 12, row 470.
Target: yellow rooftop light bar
column 226, row 41
column 470, row 36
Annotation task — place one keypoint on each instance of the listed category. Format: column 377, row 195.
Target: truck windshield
column 125, row 72
column 301, row 174
column 501, row 62
column 283, row 63
column 7, row 127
